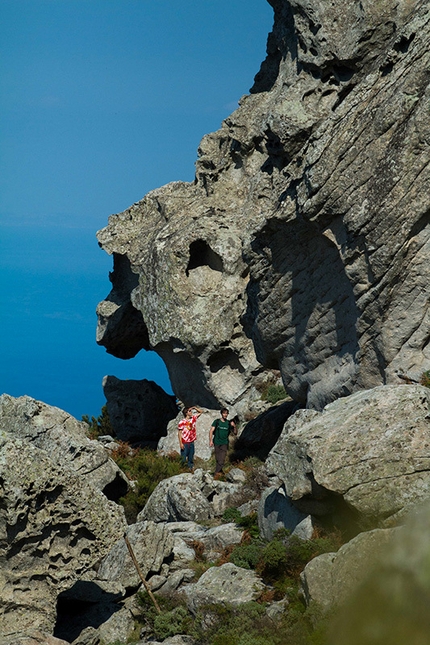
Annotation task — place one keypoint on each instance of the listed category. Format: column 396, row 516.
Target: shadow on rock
column 84, row 605
column 260, row 435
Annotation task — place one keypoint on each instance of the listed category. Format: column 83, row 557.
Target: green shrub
column 147, row 468
column 226, row 625
column 246, row 624
column 231, row 514
column 300, row 552
column 171, row 623
column 273, row 557
column 250, row 524
column 99, row 426
column 273, row 393
column 246, row 556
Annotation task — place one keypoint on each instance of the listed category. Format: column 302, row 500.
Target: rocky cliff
column 302, row 244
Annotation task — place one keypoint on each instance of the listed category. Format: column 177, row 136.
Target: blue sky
column 101, row 101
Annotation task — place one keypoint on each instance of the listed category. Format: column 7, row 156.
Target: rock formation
column 371, row 450
column 64, row 440
column 139, row 411
column 302, row 244
column 55, row 521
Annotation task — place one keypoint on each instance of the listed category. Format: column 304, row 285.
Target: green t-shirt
column 222, row 430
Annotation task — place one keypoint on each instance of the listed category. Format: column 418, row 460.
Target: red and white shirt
column 188, row 429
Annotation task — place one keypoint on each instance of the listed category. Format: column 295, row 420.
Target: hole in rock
column 386, row 69
column 83, row 605
column 115, row 489
column 403, row 44
column 343, row 72
column 201, row 254
column 223, row 358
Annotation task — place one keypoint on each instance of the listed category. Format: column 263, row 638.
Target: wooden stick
column 139, row 571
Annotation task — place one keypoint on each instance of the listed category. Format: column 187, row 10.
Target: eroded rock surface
column 224, row 584
column 54, row 527
column 303, row 243
column 151, row 543
column 371, row 448
column 63, row 440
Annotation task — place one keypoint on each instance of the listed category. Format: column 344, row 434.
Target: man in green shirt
column 218, row 438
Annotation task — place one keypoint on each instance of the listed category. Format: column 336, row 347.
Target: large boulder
column 391, row 605
column 34, row 638
column 227, row 584
column 371, row 448
column 139, row 411
column 330, row 578
column 151, row 543
column 210, row 542
column 276, row 511
column 261, row 433
column 188, row 497
column 312, row 205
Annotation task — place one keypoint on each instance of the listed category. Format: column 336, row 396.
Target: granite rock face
column 370, row 449
column 391, row 604
column 151, row 543
column 55, row 525
column 187, row 498
column 63, row 439
column 303, row 243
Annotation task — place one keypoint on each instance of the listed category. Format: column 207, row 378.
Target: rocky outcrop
column 303, row 243
column 139, row 411
column 260, row 434
column 371, row 449
column 276, row 511
column 55, row 522
column 62, row 438
column 151, row 543
column 35, row 638
column 390, row 605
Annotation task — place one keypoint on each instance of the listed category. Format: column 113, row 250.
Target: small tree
column 99, row 426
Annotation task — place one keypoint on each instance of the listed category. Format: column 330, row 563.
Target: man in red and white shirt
column 187, row 434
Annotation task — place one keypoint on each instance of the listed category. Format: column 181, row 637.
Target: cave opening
column 116, row 488
column 83, row 605
column 223, row 358
column 201, row 254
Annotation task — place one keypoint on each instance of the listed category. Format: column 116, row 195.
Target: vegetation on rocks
column 146, row 468
column 273, row 393
column 221, row 624
column 99, row 426
column 279, row 563
column 425, row 379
